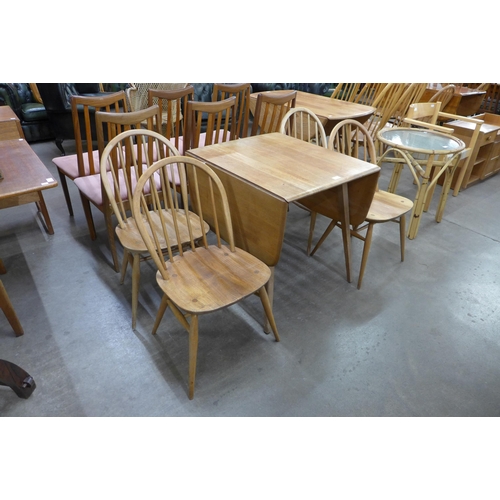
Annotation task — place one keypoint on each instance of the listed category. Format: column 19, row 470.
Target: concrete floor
column 421, row 338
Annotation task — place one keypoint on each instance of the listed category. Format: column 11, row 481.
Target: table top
column 283, row 166
column 421, row 141
column 322, row 106
column 22, row 171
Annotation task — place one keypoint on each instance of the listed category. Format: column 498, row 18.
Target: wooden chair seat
column 212, row 278
column 68, row 165
column 387, row 206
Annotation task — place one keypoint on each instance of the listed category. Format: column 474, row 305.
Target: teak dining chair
column 108, row 124
column 383, row 207
column 86, row 159
column 207, row 276
column 241, row 91
column 126, row 157
column 7, row 307
column 174, row 104
column 209, row 123
column 270, row 109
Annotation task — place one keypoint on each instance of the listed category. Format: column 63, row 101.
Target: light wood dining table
column 329, row 111
column 264, row 173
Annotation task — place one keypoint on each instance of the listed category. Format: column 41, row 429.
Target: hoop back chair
column 203, row 277
column 124, row 160
column 346, row 91
column 412, row 94
column 173, row 103
column 384, row 206
column 444, row 95
column 303, row 124
column 209, row 123
column 86, row 159
column 241, row 91
column 368, row 92
column 270, row 109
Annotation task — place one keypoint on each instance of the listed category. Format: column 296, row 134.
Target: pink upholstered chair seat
column 69, row 164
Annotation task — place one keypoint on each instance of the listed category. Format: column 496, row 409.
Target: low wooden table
column 264, row 173
column 329, row 111
column 24, row 177
column 10, row 126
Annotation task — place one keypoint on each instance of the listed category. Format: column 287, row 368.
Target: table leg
column 346, row 230
column 10, row 313
column 270, row 293
column 45, row 213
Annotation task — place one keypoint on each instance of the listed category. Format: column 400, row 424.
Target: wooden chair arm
column 431, row 126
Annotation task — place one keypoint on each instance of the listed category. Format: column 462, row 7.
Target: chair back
column 303, row 124
column 270, row 109
column 83, row 109
column 412, row 93
column 444, row 95
column 346, row 91
column 173, row 104
column 125, row 158
column 160, row 219
column 111, row 124
column 368, row 92
column 209, row 123
column 241, row 91
column 424, row 112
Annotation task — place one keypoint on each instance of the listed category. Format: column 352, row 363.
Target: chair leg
column 193, row 352
column 328, row 230
column 312, row 224
column 127, row 257
column 10, row 313
column 160, row 313
column 264, row 298
column 64, row 185
column 88, row 215
column 111, row 238
column 136, row 270
column 402, row 235
column 366, row 251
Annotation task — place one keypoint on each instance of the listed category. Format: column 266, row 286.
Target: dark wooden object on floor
column 17, row 379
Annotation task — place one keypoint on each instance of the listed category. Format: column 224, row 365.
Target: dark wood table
column 23, row 178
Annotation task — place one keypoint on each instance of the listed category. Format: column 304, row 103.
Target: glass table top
column 421, row 140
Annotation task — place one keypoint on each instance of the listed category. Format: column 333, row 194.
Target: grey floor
column 421, row 338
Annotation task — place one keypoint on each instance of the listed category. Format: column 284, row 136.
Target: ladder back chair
column 204, row 277
column 86, row 159
column 384, row 206
column 241, row 91
column 124, row 160
column 209, row 123
column 270, row 109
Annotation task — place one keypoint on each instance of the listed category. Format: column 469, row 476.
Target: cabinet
column 485, row 159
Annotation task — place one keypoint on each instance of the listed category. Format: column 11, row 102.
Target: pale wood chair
column 368, row 93
column 412, row 94
column 173, row 103
column 7, row 307
column 209, row 123
column 346, row 91
column 207, row 276
column 444, row 95
column 86, row 159
column 303, row 124
column 241, row 91
column 368, row 208
column 270, row 109
column 126, row 157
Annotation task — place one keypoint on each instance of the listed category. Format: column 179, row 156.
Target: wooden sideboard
column 485, row 159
